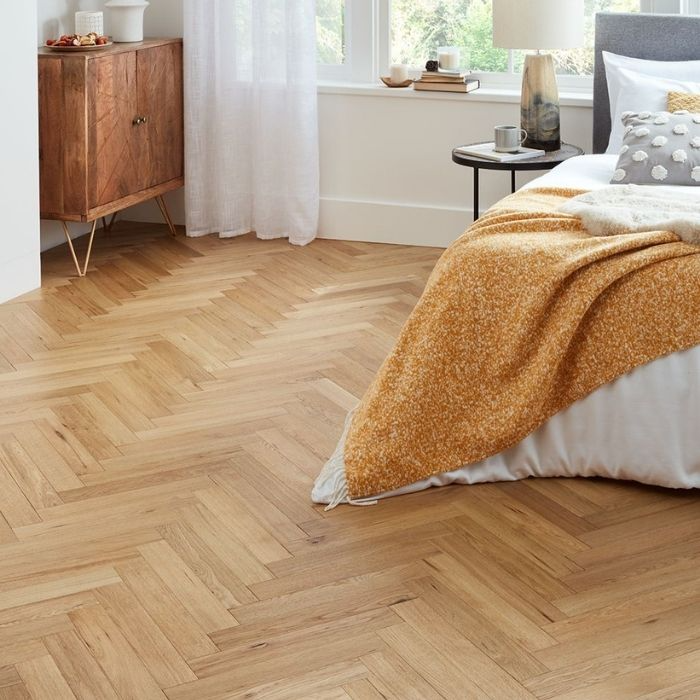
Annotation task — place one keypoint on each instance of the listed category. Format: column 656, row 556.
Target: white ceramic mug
column 508, row 139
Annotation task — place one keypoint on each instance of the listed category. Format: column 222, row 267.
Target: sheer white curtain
column 251, row 125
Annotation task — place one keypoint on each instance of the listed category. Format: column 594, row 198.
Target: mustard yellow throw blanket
column 523, row 315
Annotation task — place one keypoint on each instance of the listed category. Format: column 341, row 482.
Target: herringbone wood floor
column 161, row 421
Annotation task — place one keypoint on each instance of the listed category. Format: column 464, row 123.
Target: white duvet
column 641, row 427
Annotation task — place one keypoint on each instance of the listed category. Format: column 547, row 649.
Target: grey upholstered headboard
column 656, row 37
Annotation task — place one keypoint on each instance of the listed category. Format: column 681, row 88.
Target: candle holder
column 448, row 58
column 86, row 22
column 388, row 82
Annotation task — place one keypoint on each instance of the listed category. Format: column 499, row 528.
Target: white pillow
column 617, row 79
column 642, row 93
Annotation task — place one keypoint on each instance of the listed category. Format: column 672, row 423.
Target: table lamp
column 539, row 24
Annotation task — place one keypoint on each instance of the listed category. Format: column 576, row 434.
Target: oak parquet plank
column 202, row 604
column 161, row 424
column 46, row 458
column 218, row 576
column 221, row 538
column 323, row 683
column 325, row 603
column 153, row 648
column 54, row 585
column 482, row 670
column 395, row 678
column 78, row 667
column 176, row 622
column 14, row 505
column 9, row 676
column 313, row 648
column 15, row 692
column 32, row 482
column 42, row 679
column 70, row 449
column 250, row 533
column 119, row 662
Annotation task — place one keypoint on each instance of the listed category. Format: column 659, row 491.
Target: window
column 357, row 39
column 330, row 32
column 419, row 26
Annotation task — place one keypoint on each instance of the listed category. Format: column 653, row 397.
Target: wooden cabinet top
column 121, row 47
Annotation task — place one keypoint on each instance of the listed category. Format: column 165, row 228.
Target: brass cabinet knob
column 137, row 121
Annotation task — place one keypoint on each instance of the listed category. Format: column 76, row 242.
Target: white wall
column 386, row 170
column 20, row 266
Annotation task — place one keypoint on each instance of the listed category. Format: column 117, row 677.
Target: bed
column 640, row 426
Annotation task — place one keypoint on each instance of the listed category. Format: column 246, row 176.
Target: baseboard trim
column 369, row 221
column 20, row 276
column 391, row 222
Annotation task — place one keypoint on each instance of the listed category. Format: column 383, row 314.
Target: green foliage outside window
column 420, row 26
column 330, row 40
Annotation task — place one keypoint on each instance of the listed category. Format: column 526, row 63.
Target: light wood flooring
column 161, row 422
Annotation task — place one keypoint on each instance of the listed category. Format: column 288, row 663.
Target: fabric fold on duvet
column 523, row 315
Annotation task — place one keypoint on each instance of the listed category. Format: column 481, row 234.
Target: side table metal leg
column 476, row 193
column 512, row 181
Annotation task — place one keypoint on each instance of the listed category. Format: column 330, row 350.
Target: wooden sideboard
column 110, row 131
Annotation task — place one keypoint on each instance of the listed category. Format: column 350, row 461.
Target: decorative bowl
column 388, row 83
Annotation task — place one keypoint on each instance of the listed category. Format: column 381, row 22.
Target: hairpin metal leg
column 108, row 226
column 81, row 273
column 166, row 215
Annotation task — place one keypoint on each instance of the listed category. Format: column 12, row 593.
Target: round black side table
column 545, row 162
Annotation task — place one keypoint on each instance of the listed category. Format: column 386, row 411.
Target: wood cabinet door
column 159, row 81
column 114, row 140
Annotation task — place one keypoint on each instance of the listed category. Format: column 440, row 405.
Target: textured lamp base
column 539, row 106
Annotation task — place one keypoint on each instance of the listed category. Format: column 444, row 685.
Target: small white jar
column 125, row 19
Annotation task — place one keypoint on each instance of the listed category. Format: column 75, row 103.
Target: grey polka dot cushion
column 659, row 148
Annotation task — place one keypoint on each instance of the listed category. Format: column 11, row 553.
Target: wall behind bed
column 386, row 169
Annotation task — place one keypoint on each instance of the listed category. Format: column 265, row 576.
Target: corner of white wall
column 20, row 263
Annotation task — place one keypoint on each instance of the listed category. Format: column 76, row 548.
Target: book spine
column 440, row 87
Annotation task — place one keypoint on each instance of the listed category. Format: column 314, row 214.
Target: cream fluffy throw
column 634, row 208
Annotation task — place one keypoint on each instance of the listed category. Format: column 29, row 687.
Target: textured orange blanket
column 523, row 315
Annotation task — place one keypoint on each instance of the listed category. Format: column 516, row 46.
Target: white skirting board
column 391, row 222
column 19, row 276
column 361, row 220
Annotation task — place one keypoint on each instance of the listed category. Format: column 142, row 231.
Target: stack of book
column 489, row 152
column 446, row 82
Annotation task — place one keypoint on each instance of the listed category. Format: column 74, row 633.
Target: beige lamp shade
column 537, row 24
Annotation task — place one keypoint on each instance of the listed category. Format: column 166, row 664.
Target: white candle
column 448, row 57
column 398, row 72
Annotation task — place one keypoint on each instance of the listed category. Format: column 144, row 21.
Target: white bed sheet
column 593, row 172
column 643, row 426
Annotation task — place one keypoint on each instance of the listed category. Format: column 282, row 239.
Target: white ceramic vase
column 125, row 19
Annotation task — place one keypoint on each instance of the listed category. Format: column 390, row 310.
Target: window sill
column 484, row 94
